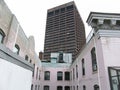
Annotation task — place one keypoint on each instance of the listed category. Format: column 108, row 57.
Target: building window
column 2, row 35
column 96, row 87
column 76, row 71
column 35, row 87
column 47, row 75
column 114, row 77
column 94, row 61
column 59, row 88
column 84, row 87
column 73, row 74
column 16, row 49
column 46, row 87
column 57, row 11
column 62, row 10
column 67, row 75
column 73, row 87
column 77, row 87
column 38, row 87
column 59, row 75
column 37, row 73
column 33, row 70
column 30, row 61
column 83, row 67
column 50, row 14
column 26, row 57
column 70, row 7
column 32, row 87
column 67, row 88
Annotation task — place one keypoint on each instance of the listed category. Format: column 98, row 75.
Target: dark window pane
column 70, row 7
column 50, row 14
column 16, row 49
column 46, row 87
column 47, row 75
column 96, row 87
column 67, row 87
column 67, row 75
column 62, row 10
column 2, row 35
column 94, row 62
column 59, row 87
column 26, row 57
column 56, row 11
column 83, row 67
column 59, row 75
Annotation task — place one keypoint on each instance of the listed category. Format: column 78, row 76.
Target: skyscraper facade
column 64, row 31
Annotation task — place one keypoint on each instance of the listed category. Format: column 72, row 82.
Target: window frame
column 59, row 87
column 17, row 48
column 96, row 87
column 26, row 57
column 94, row 60
column 46, row 86
column 47, row 77
column 83, row 67
column 67, row 77
column 59, row 78
column 2, row 34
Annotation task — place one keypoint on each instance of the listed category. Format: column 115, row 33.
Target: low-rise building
column 97, row 66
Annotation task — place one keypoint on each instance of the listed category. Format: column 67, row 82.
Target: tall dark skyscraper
column 64, row 31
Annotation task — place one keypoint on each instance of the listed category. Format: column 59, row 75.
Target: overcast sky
column 32, row 14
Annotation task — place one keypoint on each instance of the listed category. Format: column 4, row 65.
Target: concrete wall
column 14, row 77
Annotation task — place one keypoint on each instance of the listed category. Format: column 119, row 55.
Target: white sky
column 32, row 14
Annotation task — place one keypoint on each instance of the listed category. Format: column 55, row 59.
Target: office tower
column 64, row 31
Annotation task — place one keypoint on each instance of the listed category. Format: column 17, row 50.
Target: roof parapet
column 105, row 21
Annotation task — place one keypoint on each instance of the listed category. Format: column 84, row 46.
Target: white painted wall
column 14, row 77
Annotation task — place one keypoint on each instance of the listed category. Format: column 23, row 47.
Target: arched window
column 59, row 88
column 84, row 87
column 46, row 87
column 16, row 49
column 26, row 57
column 35, row 87
column 67, row 88
column 59, row 75
column 76, row 71
column 96, row 87
column 77, row 87
column 33, row 70
column 30, row 61
column 83, row 67
column 2, row 35
column 47, row 75
column 38, row 87
column 94, row 61
column 32, row 87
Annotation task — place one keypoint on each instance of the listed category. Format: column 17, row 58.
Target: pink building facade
column 97, row 66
